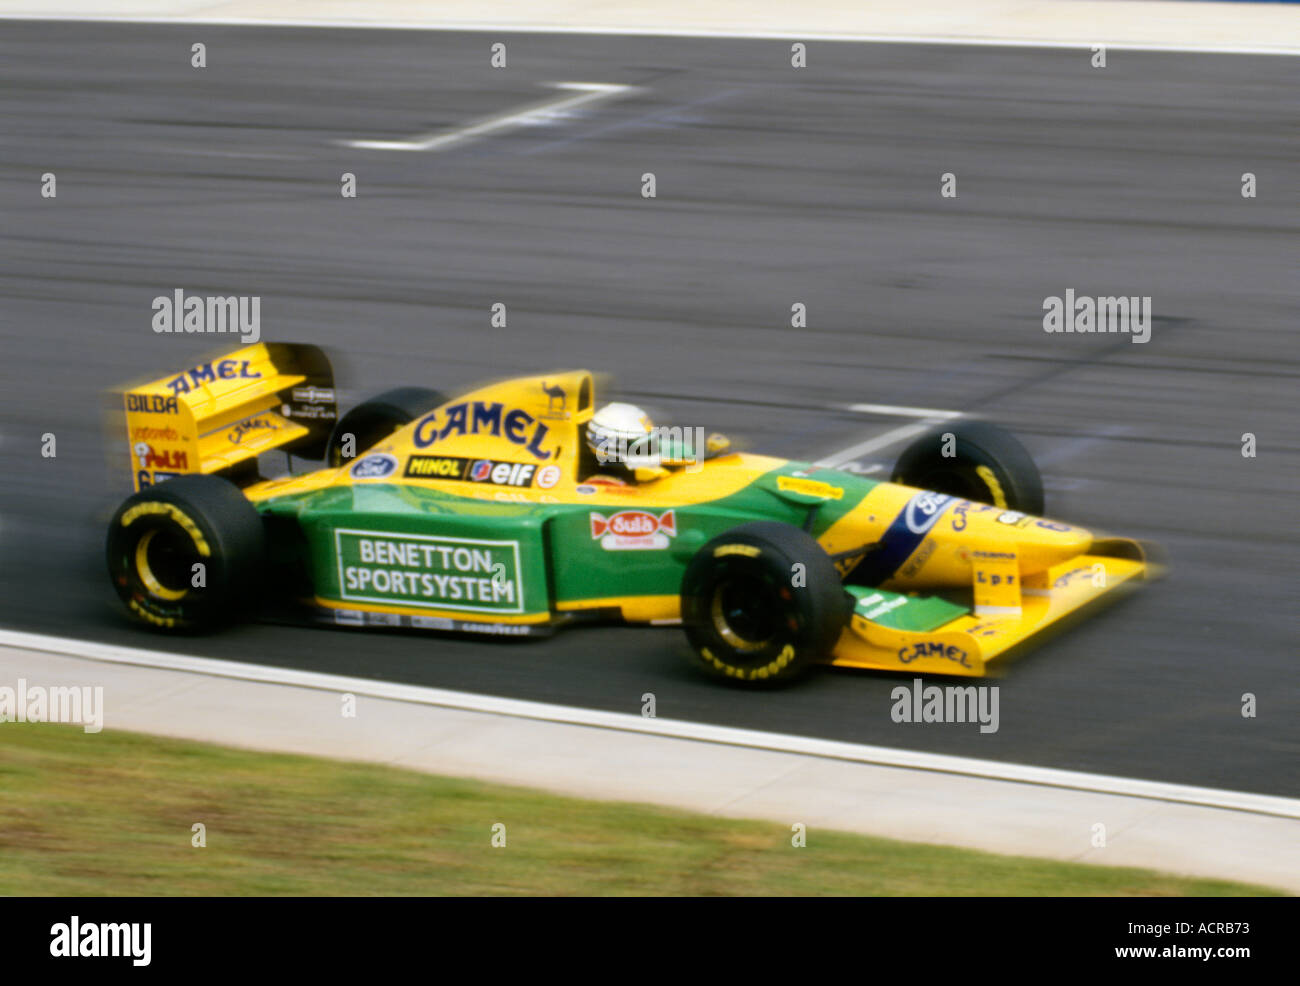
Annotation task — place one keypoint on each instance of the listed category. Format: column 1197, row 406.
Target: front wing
column 933, row 635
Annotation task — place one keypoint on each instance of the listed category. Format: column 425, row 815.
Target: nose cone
column 1040, row 543
column 1043, row 543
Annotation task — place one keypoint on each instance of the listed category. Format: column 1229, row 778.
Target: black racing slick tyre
column 374, row 420
column 973, row 460
column 762, row 603
column 187, row 554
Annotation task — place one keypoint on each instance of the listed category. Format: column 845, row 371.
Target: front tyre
column 973, row 460
column 762, row 603
column 186, row 554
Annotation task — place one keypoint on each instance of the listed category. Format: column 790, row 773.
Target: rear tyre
column 988, row 465
column 762, row 603
column 374, row 420
column 187, row 554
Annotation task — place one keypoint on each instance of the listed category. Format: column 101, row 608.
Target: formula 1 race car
column 490, row 513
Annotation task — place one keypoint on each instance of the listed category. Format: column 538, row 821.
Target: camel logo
column 633, row 530
column 240, row 430
column 554, row 393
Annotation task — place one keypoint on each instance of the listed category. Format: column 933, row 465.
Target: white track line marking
column 661, row 31
column 929, row 418
column 897, row 411
column 892, row 437
column 1261, row 804
column 547, row 111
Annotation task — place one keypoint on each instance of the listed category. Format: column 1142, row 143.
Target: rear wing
column 218, row 417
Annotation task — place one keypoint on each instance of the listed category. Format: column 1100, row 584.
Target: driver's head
column 622, row 434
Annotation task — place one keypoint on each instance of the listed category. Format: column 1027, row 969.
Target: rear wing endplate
column 219, row 416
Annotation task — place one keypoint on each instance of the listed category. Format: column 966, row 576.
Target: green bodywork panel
column 485, row 557
column 916, row 614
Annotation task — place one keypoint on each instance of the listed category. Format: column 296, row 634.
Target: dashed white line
column 547, row 111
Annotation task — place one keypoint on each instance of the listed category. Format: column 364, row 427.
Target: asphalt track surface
column 774, row 186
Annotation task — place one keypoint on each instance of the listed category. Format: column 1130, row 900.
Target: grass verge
column 113, row 814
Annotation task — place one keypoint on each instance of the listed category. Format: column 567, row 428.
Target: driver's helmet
column 622, row 434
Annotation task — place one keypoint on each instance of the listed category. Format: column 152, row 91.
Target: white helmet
column 624, row 434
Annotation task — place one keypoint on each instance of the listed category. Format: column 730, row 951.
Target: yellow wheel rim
column 146, row 574
column 725, row 631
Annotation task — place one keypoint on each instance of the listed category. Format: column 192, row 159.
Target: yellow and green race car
column 492, row 513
